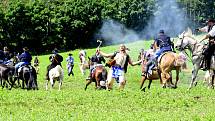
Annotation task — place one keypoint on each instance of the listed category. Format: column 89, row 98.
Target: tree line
column 43, row 25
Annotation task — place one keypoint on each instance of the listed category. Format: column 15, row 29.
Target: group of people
column 162, row 43
column 24, row 58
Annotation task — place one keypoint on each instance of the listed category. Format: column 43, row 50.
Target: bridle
column 187, row 47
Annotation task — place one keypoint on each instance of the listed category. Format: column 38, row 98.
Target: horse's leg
column 194, row 75
column 211, row 81
column 52, row 83
column 177, row 77
column 88, row 83
column 164, row 80
column 23, row 83
column 150, row 82
column 159, row 74
column 3, row 83
column 142, row 81
column 60, row 84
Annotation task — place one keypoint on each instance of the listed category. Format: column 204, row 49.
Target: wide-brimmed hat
column 25, row 48
column 211, row 20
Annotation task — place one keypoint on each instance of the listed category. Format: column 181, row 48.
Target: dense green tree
column 68, row 24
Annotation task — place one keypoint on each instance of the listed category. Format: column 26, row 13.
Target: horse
column 187, row 41
column 144, row 56
column 27, row 74
column 99, row 75
column 84, row 64
column 6, row 75
column 55, row 73
column 169, row 61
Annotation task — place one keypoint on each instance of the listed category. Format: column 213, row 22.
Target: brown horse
column 144, row 56
column 99, row 75
column 168, row 61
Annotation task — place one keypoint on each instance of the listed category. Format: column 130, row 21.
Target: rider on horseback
column 164, row 44
column 96, row 59
column 209, row 51
column 55, row 60
column 25, row 59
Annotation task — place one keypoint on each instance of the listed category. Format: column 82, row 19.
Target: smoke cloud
column 168, row 17
column 114, row 32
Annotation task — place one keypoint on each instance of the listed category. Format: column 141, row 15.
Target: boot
column 150, row 62
column 15, row 73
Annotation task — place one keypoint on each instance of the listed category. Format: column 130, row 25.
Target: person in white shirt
column 209, row 51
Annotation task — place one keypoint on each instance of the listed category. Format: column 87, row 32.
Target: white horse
column 84, row 63
column 187, row 41
column 55, row 74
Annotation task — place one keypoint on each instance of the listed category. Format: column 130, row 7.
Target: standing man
column 70, row 64
column 209, row 51
column 119, row 68
column 162, row 44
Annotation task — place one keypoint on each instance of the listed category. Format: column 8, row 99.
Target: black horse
column 28, row 76
column 6, row 75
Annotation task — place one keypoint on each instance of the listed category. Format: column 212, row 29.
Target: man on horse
column 96, row 60
column 55, row 60
column 209, row 51
column 25, row 59
column 164, row 44
column 119, row 67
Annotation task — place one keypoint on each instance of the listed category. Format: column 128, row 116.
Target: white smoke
column 168, row 17
column 114, row 32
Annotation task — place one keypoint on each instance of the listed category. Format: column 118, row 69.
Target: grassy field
column 73, row 103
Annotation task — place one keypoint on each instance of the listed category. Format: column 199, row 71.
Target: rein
column 192, row 48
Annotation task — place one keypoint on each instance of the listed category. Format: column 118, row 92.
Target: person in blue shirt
column 24, row 58
column 164, row 44
column 70, row 64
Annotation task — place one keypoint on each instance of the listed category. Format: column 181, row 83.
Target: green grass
column 73, row 103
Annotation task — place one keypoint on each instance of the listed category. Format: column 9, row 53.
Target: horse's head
column 185, row 40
